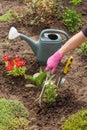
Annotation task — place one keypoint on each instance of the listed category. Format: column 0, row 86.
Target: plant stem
column 43, row 88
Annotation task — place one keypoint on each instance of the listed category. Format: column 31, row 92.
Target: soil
column 72, row 96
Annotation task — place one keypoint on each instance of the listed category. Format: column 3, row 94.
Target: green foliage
column 50, row 93
column 41, row 12
column 37, row 78
column 76, row 2
column 8, row 16
column 50, row 89
column 17, row 71
column 44, row 80
column 13, row 115
column 83, row 48
column 77, row 121
column 72, row 19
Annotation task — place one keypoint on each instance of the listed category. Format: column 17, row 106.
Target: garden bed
column 72, row 96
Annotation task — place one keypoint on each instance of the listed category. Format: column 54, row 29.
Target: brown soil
column 72, row 96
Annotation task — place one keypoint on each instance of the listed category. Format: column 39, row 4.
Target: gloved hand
column 53, row 61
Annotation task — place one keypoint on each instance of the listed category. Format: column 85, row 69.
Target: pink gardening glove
column 53, row 61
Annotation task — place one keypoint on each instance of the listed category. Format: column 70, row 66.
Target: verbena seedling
column 48, row 93
column 45, row 80
column 37, row 78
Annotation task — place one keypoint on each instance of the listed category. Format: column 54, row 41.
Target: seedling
column 37, row 78
column 45, row 80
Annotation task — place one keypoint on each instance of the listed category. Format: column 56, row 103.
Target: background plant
column 72, row 19
column 77, row 121
column 83, row 49
column 13, row 115
column 76, row 2
column 39, row 12
column 8, row 16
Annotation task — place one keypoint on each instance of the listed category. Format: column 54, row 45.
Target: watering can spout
column 31, row 43
column 13, row 33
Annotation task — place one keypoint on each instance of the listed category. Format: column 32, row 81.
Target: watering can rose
column 16, row 66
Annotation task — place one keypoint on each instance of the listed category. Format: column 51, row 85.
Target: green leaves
column 77, row 121
column 7, row 17
column 37, row 78
column 76, row 2
column 13, row 115
column 50, row 93
column 83, row 49
column 45, row 80
column 72, row 19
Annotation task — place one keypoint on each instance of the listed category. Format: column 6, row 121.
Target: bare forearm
column 73, row 43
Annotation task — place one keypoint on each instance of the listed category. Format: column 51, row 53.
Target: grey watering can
column 49, row 42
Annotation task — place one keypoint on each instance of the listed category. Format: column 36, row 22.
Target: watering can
column 49, row 42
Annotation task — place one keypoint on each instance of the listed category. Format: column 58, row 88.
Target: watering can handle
column 54, row 31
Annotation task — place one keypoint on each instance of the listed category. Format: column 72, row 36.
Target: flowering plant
column 16, row 66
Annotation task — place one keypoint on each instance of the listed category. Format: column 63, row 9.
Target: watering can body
column 49, row 42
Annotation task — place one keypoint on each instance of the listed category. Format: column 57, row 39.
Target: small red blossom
column 9, row 68
column 17, row 58
column 21, row 63
column 6, row 57
column 18, row 64
column 10, row 63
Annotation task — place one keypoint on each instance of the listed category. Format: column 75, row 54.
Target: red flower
column 23, row 63
column 10, row 63
column 6, row 57
column 17, row 58
column 9, row 68
column 20, row 63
